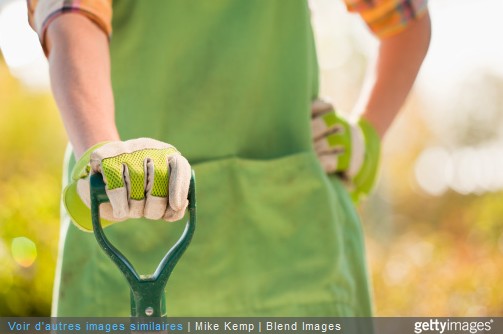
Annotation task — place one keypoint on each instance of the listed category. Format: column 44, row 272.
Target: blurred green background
column 31, row 149
column 434, row 225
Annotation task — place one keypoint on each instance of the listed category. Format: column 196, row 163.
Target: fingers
column 319, row 127
column 119, row 200
column 116, row 177
column 179, row 181
column 144, row 178
column 326, row 132
column 328, row 162
column 320, row 107
column 325, row 124
column 171, row 206
column 106, row 210
column 172, row 216
column 155, row 206
column 331, row 144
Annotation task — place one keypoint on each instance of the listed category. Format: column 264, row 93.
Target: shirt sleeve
column 387, row 17
column 42, row 12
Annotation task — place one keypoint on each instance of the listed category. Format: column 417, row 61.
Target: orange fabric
column 384, row 17
column 42, row 12
column 387, row 17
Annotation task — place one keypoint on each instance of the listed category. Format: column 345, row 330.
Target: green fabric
column 229, row 83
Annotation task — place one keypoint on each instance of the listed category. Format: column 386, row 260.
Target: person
column 233, row 85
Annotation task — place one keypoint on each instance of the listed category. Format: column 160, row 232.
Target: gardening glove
column 136, row 174
column 350, row 150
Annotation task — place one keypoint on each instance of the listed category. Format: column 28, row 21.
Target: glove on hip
column 350, row 150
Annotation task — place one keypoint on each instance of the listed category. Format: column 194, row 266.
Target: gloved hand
column 136, row 174
column 346, row 149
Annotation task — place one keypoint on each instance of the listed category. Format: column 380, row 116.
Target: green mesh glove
column 144, row 178
column 349, row 150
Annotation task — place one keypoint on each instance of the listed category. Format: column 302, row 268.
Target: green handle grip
column 147, row 291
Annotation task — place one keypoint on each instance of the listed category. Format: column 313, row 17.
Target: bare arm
column 393, row 75
column 79, row 65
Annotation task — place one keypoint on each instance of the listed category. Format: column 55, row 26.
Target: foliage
column 431, row 256
column 31, row 153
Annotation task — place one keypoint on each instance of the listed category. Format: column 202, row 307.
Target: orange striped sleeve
column 387, row 17
column 42, row 12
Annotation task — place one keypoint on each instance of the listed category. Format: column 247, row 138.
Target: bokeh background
column 434, row 226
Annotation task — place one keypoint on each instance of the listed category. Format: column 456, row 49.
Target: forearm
column 79, row 65
column 396, row 67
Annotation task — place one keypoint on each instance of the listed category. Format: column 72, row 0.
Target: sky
column 20, row 47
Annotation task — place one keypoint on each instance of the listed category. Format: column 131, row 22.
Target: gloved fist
column 346, row 149
column 144, row 178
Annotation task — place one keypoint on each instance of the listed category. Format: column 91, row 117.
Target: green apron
column 229, row 83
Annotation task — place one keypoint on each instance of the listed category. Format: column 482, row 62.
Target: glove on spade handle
column 144, row 178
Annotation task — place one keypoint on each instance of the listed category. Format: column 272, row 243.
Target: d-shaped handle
column 147, row 291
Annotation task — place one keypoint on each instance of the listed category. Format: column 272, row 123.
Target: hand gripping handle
column 147, row 291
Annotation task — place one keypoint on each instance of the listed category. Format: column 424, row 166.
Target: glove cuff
column 82, row 168
column 366, row 177
column 78, row 212
column 357, row 150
